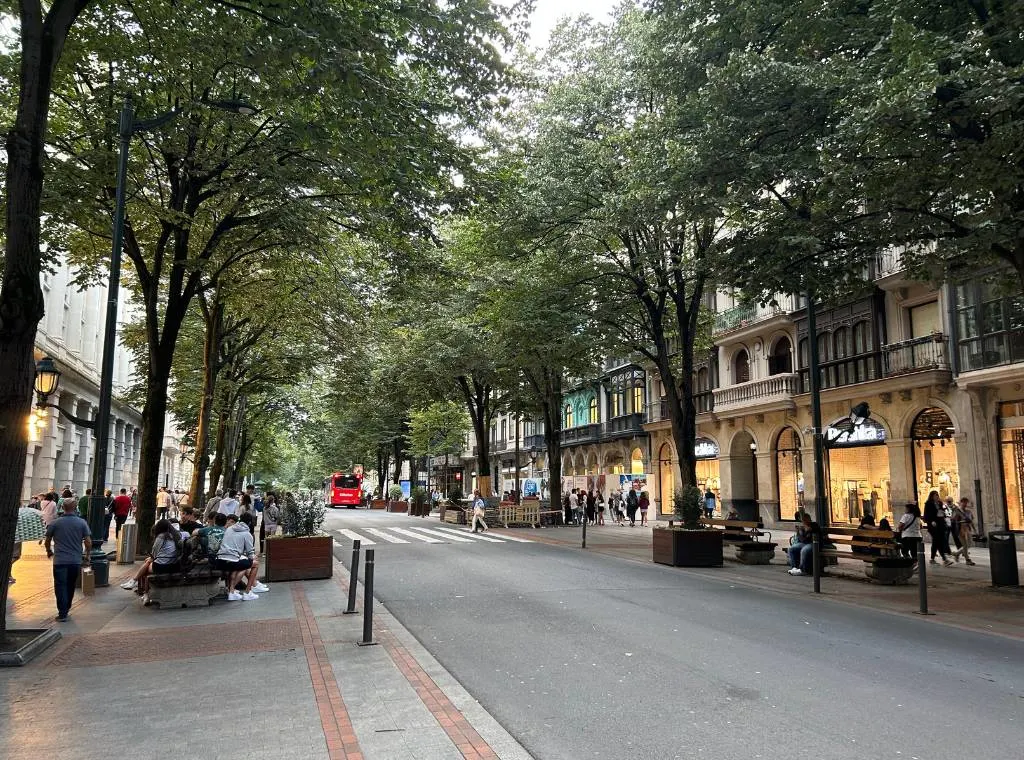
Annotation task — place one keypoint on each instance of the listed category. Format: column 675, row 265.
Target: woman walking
column 963, row 522
column 909, row 529
column 645, row 503
column 600, row 508
column 935, row 519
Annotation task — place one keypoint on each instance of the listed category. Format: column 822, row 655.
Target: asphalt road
column 589, row 656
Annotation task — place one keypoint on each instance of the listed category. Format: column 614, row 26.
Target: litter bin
column 126, row 544
column 1002, row 552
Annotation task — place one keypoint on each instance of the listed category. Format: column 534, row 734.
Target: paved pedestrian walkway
column 960, row 595
column 281, row 678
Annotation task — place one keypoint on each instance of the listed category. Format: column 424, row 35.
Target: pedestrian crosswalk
column 393, row 534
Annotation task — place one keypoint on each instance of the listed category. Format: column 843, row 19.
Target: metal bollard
column 353, row 579
column 922, row 580
column 816, row 559
column 368, row 602
column 584, row 531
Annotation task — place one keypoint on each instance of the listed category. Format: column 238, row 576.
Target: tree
column 44, row 30
column 439, row 428
column 357, row 130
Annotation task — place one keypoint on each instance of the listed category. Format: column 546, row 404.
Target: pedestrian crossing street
column 415, row 534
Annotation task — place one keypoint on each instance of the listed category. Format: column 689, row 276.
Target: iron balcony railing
column 915, row 355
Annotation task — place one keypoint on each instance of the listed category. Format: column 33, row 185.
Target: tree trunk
column 552, row 415
column 151, row 454
column 211, row 345
column 397, row 452
column 21, row 299
column 219, row 450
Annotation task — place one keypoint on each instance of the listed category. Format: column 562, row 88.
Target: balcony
column 747, row 315
column 580, row 434
column 775, row 391
column 626, row 425
column 704, row 401
column 915, row 355
column 534, row 442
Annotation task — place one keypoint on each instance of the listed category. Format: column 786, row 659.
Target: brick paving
column 260, row 680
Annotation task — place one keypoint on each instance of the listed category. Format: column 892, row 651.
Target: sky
column 548, row 13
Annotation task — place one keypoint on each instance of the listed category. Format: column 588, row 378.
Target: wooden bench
column 866, row 544
column 737, row 530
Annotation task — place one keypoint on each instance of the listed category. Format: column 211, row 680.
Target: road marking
column 507, row 537
column 354, row 536
column 469, row 534
column 386, row 536
column 445, row 535
column 417, row 536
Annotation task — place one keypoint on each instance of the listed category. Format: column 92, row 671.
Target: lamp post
column 47, row 376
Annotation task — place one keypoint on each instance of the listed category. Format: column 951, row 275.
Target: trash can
column 1002, row 552
column 126, row 543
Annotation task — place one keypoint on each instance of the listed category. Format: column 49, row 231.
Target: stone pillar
column 901, row 478
column 810, row 485
column 85, row 443
column 65, row 470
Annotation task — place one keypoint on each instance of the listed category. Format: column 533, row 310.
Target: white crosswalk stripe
column 386, row 536
column 417, row 536
column 461, row 539
column 469, row 534
column 353, row 535
column 506, row 537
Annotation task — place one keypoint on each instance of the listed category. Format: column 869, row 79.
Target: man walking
column 478, row 511
column 122, row 508
column 69, row 532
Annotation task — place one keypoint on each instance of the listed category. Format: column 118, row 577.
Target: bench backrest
column 732, row 524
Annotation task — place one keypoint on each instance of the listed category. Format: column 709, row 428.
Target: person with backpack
column 632, row 503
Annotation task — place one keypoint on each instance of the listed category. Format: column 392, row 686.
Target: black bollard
column 816, row 560
column 368, row 602
column 922, row 580
column 584, row 531
column 353, row 579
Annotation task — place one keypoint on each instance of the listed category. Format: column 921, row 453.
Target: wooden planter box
column 687, row 548
column 379, row 504
column 398, row 506
column 298, row 559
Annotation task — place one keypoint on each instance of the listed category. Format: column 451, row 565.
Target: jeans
column 802, row 556
column 64, row 579
column 940, row 541
column 118, row 522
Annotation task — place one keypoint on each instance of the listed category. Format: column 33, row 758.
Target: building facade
column 941, row 368
column 59, row 452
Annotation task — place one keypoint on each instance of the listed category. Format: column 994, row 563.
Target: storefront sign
column 870, row 433
column 705, row 449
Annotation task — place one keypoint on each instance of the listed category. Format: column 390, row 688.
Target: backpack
column 631, row 499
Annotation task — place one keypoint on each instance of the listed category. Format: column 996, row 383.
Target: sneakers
column 795, row 571
column 260, row 587
column 956, row 556
column 249, row 596
column 61, row 618
column 971, row 562
column 934, row 561
column 947, row 563
column 130, row 585
column 234, row 596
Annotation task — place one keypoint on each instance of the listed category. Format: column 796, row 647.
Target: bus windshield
column 346, row 481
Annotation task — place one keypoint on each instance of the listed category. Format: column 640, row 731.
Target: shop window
column 781, row 360
column 790, row 475
column 568, row 417
column 592, row 412
column 741, row 367
column 666, row 479
column 638, row 399
column 1011, row 440
column 935, row 455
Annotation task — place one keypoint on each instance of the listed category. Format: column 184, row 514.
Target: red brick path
column 341, row 737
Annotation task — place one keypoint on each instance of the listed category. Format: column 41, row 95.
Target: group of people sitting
column 225, row 542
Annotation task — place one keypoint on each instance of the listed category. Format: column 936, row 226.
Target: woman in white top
column 48, row 508
column 909, row 528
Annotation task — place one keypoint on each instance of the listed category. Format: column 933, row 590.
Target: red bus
column 344, row 489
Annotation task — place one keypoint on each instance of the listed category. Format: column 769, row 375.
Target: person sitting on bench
column 164, row 557
column 237, row 556
column 801, row 552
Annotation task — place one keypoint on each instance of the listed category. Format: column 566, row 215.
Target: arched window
column 789, row 474
column 741, row 367
column 568, row 417
column 638, row 399
column 781, row 360
column 593, row 411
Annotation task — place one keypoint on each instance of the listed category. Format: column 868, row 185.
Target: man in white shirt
column 229, row 504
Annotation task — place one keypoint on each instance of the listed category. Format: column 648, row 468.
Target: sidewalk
column 960, row 595
column 278, row 678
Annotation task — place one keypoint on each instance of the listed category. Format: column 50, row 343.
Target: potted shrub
column 395, row 503
column 419, row 502
column 303, row 552
column 688, row 545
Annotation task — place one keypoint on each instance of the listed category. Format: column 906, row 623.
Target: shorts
column 162, row 569
column 229, row 566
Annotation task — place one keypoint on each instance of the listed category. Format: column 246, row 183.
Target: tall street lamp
column 47, row 376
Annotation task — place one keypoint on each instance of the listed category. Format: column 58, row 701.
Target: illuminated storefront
column 858, row 473
column 790, row 474
column 708, row 479
column 1011, row 450
column 935, row 462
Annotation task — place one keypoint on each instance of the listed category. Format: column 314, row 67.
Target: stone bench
column 197, row 587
